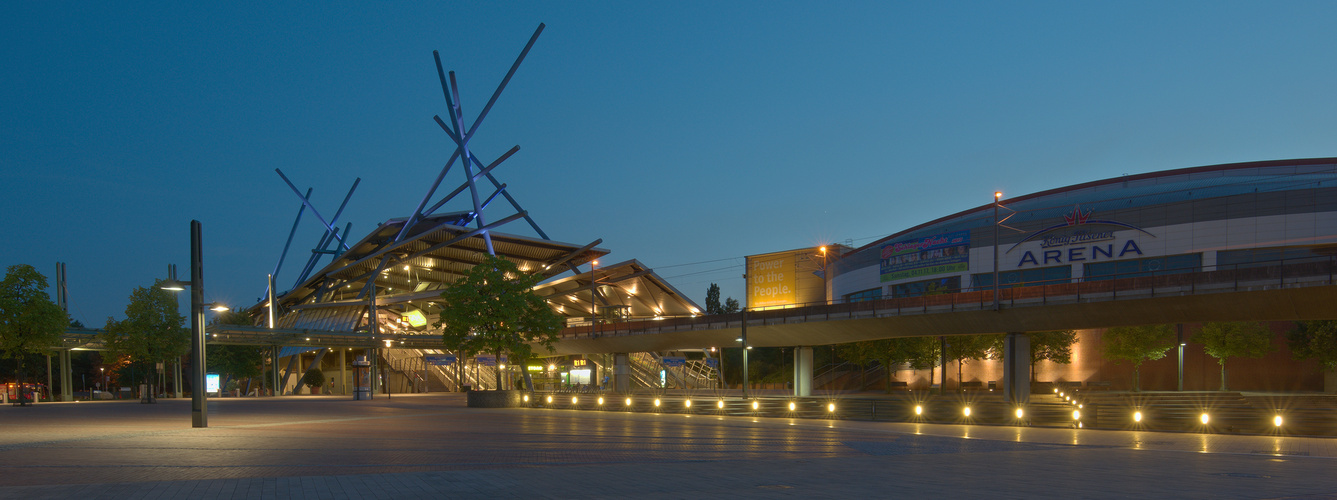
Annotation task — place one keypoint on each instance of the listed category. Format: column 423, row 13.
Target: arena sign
column 1081, row 244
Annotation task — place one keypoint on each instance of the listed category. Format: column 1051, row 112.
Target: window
column 927, row 287
column 1255, row 257
column 1025, row 277
column 1173, row 264
column 870, row 294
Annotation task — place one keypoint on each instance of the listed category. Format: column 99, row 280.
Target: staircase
column 694, row 374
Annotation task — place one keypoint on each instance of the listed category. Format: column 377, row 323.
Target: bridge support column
column 621, row 373
column 66, row 376
column 802, row 371
column 176, row 378
column 1017, row 368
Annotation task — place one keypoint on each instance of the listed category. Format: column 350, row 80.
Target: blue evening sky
column 685, row 134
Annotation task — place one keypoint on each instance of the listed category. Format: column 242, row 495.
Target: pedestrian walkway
column 431, row 446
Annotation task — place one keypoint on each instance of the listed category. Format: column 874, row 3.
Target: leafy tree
column 713, row 300
column 29, row 322
column 151, row 332
column 1316, row 340
column 1053, row 346
column 731, row 305
column 1137, row 344
column 236, row 361
column 1238, row 339
column 963, row 347
column 494, row 309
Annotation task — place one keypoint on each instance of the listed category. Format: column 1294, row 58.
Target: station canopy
column 406, row 278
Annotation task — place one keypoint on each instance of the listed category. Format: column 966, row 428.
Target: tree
column 731, row 306
column 865, row 353
column 713, row 300
column 29, row 322
column 236, row 361
column 1238, row 339
column 1316, row 340
column 1053, row 346
column 494, row 309
column 1137, row 344
column 151, row 332
column 963, row 347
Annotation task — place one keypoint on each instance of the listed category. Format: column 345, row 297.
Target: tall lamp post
column 997, row 195
column 199, row 411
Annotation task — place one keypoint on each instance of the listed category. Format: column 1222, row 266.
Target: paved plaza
column 431, row 446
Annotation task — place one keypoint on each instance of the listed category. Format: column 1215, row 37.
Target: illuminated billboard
column 770, row 281
column 937, row 254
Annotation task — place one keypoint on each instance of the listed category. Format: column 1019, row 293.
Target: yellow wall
column 785, row 278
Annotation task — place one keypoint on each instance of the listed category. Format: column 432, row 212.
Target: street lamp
column 199, row 411
column 997, row 195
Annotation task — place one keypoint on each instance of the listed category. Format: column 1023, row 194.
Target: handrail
column 1307, row 271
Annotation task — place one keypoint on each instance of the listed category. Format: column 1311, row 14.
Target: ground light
column 791, row 406
column 687, row 403
column 628, row 402
column 1276, row 421
column 966, row 411
column 574, row 400
column 549, row 399
column 526, row 398
column 656, row 402
column 1205, row 418
column 1137, row 416
column 756, row 405
column 601, row 400
column 1076, row 414
column 720, row 404
column 831, row 407
column 1020, row 412
column 919, row 409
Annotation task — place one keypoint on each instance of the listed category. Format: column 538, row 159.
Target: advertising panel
column 771, row 281
column 440, row 359
column 937, row 254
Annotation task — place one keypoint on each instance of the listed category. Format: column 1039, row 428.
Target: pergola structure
column 402, row 282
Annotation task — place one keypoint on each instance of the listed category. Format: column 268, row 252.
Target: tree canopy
column 29, row 322
column 493, row 309
column 1316, row 340
column 713, row 305
column 236, row 361
column 152, row 331
column 1137, row 344
column 1236, row 339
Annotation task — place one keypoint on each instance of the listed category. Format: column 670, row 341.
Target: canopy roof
column 406, row 278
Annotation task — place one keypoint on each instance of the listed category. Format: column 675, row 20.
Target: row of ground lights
column 756, row 405
column 1204, row 417
column 1019, row 412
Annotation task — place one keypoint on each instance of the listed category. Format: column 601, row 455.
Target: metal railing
column 1285, row 273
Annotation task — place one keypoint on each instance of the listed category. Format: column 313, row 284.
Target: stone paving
column 431, row 446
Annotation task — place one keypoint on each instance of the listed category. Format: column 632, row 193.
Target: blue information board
column 440, row 359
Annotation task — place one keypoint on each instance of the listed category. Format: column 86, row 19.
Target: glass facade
column 1025, row 277
column 1155, row 266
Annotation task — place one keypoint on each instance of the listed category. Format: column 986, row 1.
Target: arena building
column 1192, row 220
